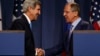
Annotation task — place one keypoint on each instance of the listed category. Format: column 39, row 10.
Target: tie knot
column 70, row 27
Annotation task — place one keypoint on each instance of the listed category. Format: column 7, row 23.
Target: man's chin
column 34, row 19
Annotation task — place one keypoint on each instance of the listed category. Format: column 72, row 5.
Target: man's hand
column 40, row 52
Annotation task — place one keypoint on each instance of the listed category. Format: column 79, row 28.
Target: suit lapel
column 26, row 22
column 78, row 27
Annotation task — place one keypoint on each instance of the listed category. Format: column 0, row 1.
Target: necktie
column 30, row 25
column 70, row 30
column 69, row 36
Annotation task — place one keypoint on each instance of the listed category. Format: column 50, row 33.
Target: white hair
column 70, row 1
column 30, row 3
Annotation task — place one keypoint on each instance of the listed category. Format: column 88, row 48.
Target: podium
column 86, row 43
column 11, row 43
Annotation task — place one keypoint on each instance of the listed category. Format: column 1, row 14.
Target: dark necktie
column 69, row 36
column 70, row 31
column 30, row 25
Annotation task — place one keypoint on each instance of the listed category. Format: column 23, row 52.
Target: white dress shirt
column 29, row 21
column 74, row 24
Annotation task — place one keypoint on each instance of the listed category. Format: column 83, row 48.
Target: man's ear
column 76, row 13
column 29, row 8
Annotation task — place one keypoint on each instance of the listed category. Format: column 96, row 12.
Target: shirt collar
column 29, row 21
column 74, row 24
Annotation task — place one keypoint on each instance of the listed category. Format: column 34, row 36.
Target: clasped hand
column 39, row 52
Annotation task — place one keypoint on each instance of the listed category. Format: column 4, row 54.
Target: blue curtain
column 7, row 12
column 84, row 8
column 48, row 29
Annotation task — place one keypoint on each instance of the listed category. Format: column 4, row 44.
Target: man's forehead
column 67, row 7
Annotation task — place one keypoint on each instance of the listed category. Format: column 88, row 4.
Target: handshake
column 39, row 52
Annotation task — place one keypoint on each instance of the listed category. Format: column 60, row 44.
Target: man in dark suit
column 71, row 14
column 31, row 9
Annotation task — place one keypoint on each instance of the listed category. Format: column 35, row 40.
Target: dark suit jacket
column 22, row 24
column 65, row 45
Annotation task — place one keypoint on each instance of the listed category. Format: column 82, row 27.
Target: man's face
column 68, row 14
column 35, row 12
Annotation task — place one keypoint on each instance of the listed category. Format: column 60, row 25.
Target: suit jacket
column 22, row 24
column 65, row 45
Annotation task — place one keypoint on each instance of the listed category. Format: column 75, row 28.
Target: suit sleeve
column 54, row 50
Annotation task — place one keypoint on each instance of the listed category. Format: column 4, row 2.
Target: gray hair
column 30, row 3
column 75, row 7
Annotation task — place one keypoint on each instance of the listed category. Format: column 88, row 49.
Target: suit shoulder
column 85, row 22
column 19, row 19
